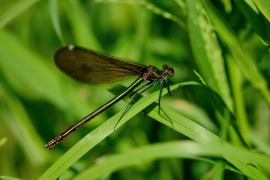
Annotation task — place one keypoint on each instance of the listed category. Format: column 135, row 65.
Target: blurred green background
column 226, row 42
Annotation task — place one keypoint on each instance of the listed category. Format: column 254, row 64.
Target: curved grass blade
column 228, row 37
column 181, row 124
column 174, row 149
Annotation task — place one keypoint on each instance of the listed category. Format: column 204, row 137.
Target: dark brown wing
column 94, row 68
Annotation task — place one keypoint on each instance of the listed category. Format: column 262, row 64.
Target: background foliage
column 226, row 42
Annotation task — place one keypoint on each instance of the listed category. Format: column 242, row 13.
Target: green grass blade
column 53, row 4
column 253, row 15
column 174, row 149
column 242, row 58
column 203, row 136
column 208, row 54
column 264, row 7
column 218, row 170
column 16, row 10
column 237, row 91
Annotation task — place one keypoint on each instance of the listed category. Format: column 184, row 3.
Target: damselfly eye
column 167, row 70
column 170, row 72
column 165, row 67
